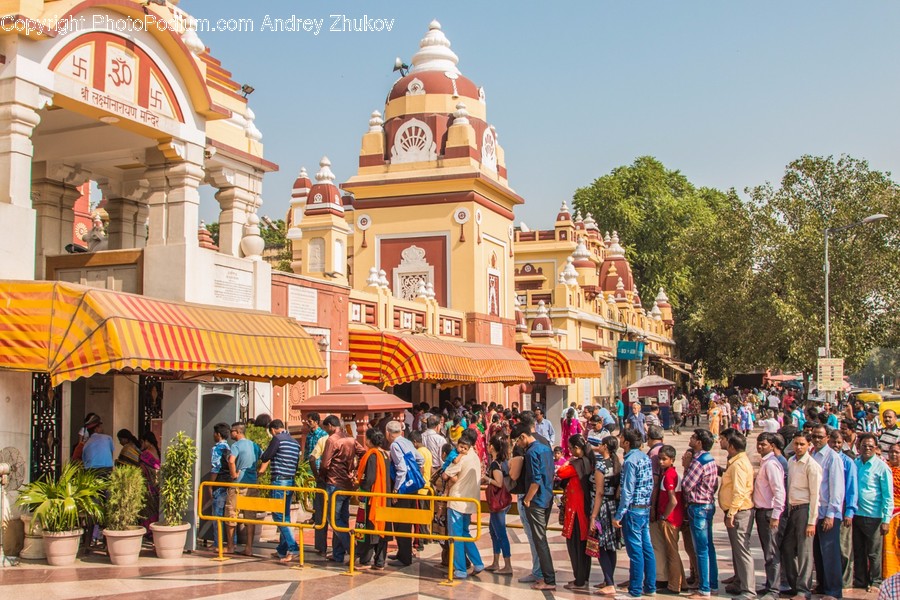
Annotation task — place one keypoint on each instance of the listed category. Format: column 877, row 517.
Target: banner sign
column 630, row 351
column 831, row 374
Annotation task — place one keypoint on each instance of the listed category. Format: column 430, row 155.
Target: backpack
column 414, row 481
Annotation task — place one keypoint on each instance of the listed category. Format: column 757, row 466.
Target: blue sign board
column 630, row 351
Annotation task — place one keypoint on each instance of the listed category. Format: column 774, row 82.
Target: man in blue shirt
column 544, row 427
column 219, row 471
column 637, row 421
column 876, row 505
column 242, row 464
column 538, row 499
column 283, row 452
column 827, row 543
column 620, row 413
column 633, row 515
column 608, row 421
column 315, row 433
column 97, row 453
column 836, row 443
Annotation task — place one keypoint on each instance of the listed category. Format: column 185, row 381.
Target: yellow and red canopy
column 72, row 331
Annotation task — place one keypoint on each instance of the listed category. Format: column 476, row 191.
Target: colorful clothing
column 637, row 483
column 577, row 499
column 150, row 464
column 312, row 438
column 610, row 537
column 892, row 539
column 568, row 428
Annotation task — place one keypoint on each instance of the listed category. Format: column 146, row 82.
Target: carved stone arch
column 316, row 258
column 489, row 150
column 414, row 142
column 412, row 271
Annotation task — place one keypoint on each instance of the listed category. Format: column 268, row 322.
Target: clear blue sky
column 726, row 92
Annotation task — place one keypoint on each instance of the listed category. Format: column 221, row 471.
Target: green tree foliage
column 882, row 366
column 176, row 479
column 745, row 278
column 816, row 193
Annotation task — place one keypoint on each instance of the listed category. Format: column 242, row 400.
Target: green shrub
column 127, row 495
column 176, row 486
column 58, row 505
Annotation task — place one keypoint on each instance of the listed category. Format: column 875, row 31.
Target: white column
column 19, row 102
column 55, row 189
column 236, row 200
column 127, row 212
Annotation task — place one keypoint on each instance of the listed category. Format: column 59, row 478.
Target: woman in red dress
column 576, row 477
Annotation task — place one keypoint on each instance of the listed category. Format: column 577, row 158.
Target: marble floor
column 258, row 578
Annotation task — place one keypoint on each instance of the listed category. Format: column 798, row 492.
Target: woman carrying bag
column 499, row 500
column 372, row 475
column 577, row 477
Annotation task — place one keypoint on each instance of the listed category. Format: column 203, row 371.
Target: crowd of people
column 824, row 500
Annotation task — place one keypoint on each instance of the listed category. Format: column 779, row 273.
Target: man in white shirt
column 769, row 424
column 464, row 479
column 677, row 410
column 804, row 482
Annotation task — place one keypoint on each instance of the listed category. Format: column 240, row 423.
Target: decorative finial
column 382, row 280
column 429, row 291
column 354, row 377
column 303, row 174
column 372, row 280
column 434, row 52
column 564, row 208
column 325, row 175
column 461, row 115
column 376, row 123
column 542, row 309
column 661, row 296
column 420, row 291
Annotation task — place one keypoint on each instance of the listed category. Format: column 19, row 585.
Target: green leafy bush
column 127, row 495
column 58, row 505
column 176, row 479
column 261, row 436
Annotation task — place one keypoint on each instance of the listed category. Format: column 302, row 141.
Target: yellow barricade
column 405, row 516
column 514, row 510
column 259, row 504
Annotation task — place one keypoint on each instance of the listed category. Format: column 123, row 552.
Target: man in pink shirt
column 768, row 503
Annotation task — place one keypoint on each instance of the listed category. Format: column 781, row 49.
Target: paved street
column 196, row 576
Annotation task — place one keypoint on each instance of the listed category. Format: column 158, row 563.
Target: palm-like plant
column 58, row 505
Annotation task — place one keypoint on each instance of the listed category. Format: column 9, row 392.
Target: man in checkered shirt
column 699, row 490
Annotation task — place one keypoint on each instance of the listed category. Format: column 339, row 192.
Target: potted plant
column 127, row 495
column 58, row 507
column 176, row 488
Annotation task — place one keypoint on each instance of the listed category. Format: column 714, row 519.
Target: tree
column 815, row 193
column 661, row 218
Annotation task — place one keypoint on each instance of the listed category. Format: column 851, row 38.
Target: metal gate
column 46, row 427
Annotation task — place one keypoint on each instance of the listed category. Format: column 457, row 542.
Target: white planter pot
column 34, row 541
column 169, row 541
column 62, row 547
column 124, row 547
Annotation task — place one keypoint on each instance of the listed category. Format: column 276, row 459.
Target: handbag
column 498, row 498
column 592, row 547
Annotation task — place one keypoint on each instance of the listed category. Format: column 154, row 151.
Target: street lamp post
column 828, row 231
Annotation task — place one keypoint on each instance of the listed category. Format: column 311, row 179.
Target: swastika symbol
column 79, row 67
column 156, row 99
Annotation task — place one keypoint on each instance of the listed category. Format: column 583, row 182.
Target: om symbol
column 121, row 72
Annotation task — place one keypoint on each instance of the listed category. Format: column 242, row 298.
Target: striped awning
column 72, row 331
column 561, row 364
column 393, row 358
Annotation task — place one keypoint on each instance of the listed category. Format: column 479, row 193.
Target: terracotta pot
column 62, row 547
column 124, row 547
column 169, row 541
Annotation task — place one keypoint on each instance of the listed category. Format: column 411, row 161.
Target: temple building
column 439, row 281
column 154, row 327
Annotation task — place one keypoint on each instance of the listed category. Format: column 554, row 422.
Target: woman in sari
column 372, row 475
column 149, row 464
column 892, row 539
column 715, row 419
column 131, row 449
column 577, row 477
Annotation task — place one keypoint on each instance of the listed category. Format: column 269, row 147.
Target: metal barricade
column 514, row 510
column 405, row 516
column 259, row 505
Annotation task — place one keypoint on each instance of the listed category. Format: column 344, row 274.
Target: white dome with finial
column 434, row 52
column 324, row 194
column 615, row 249
column 354, row 377
column 376, row 123
column 590, row 223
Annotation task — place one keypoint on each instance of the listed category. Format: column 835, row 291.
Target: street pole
column 827, row 310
